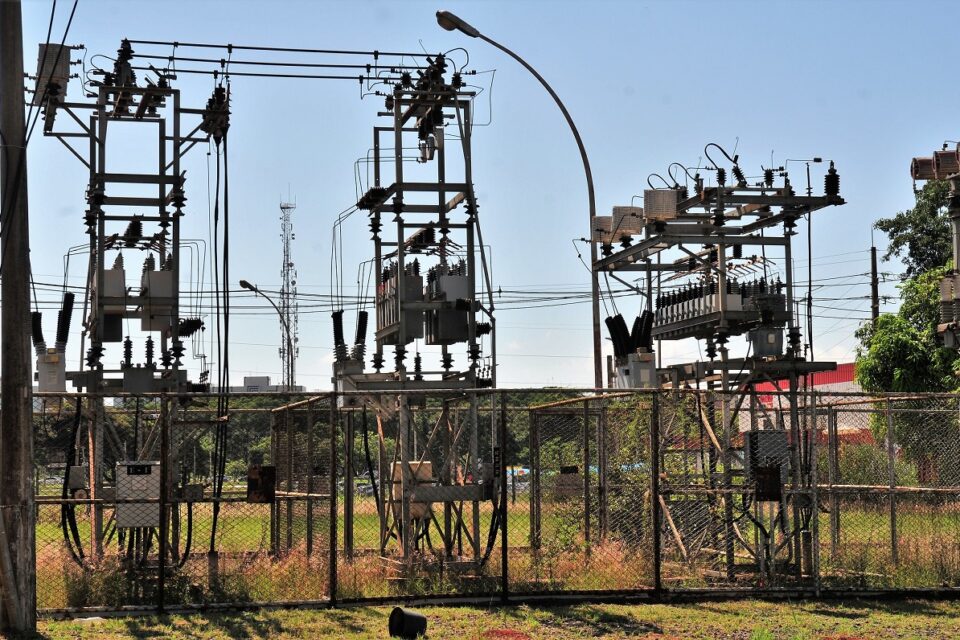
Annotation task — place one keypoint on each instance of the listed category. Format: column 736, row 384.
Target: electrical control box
column 156, row 314
column 766, row 462
column 446, row 326
column 261, row 484
column 51, row 372
column 77, row 478
column 138, row 480
column 422, row 475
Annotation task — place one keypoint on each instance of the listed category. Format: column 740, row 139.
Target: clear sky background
column 863, row 83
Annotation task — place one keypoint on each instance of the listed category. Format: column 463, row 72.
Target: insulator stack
column 133, row 233
column 149, row 360
column 63, row 321
column 721, row 176
column 738, row 175
column 360, row 341
column 831, row 182
column 417, row 367
column 36, row 332
column 177, row 351
column 339, row 346
column 127, row 353
column 768, row 177
column 446, row 362
column 94, row 353
column 378, row 361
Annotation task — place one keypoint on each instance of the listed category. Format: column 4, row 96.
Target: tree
column 901, row 352
column 920, row 236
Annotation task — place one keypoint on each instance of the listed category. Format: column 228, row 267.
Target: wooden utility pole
column 17, row 517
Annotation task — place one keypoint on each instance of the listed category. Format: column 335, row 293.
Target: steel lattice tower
column 289, row 308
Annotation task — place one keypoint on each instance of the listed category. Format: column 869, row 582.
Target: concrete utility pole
column 17, row 517
column 874, row 286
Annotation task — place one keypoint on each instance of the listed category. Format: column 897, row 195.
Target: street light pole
column 451, row 22
column 286, row 331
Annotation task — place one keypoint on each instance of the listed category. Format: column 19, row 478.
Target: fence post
column 333, row 499
column 164, row 471
column 348, row 474
column 655, row 489
column 833, row 447
column 604, row 506
column 815, row 498
column 274, row 511
column 892, row 477
column 289, row 417
column 534, row 421
column 504, row 562
column 586, row 474
column 310, row 470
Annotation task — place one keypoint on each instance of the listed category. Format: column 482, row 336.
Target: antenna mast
column 289, row 308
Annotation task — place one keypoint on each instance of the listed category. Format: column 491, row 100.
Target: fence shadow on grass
column 236, row 624
column 589, row 620
column 858, row 608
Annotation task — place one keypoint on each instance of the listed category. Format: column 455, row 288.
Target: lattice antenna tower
column 289, row 307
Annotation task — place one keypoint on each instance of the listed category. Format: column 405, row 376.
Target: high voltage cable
column 239, row 47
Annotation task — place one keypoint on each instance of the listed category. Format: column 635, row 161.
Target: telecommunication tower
column 289, row 308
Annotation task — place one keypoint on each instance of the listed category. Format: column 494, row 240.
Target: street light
column 286, row 330
column 451, row 22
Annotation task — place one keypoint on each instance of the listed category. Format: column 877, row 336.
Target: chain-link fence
column 150, row 501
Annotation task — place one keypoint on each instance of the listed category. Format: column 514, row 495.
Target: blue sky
column 648, row 83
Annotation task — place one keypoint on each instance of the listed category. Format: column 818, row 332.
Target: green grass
column 929, row 556
column 733, row 620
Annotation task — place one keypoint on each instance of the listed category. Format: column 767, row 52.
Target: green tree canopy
column 920, row 236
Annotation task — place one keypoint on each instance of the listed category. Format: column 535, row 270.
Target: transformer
column 447, row 326
column 388, row 308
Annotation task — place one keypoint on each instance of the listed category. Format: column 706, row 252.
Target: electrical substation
column 711, row 262
column 412, row 473
column 428, row 256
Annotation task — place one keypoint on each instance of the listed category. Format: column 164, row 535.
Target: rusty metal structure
column 691, row 249
column 432, row 291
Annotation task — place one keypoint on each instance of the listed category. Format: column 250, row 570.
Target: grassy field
column 929, row 556
column 740, row 620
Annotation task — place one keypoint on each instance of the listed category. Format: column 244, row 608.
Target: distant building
column 853, row 418
column 261, row 384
